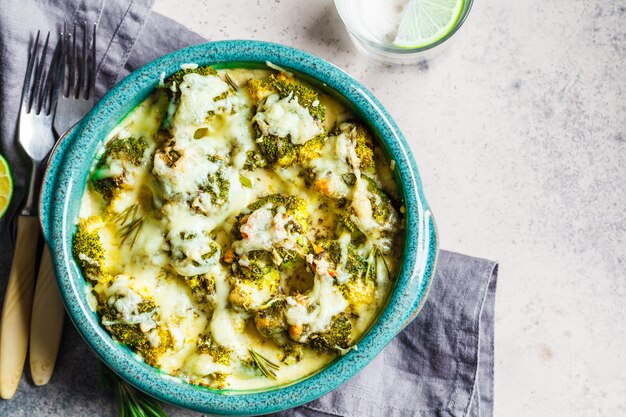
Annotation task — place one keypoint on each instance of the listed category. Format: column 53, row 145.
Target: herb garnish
column 131, row 403
column 130, row 223
column 266, row 366
column 245, row 181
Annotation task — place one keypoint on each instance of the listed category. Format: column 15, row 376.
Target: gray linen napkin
column 440, row 365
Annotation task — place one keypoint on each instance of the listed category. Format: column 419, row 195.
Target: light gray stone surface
column 519, row 130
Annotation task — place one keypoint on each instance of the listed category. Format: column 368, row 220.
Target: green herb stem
column 266, row 366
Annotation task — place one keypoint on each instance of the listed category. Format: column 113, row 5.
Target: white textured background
column 519, row 130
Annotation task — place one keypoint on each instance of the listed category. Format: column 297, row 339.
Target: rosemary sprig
column 266, row 366
column 231, row 82
column 132, row 403
column 130, row 222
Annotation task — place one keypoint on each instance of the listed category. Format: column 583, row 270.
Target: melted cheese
column 185, row 231
column 285, row 117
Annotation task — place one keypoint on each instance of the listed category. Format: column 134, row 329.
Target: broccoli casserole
column 239, row 228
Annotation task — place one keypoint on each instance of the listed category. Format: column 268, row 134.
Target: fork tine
column 72, row 64
column 26, row 96
column 84, row 69
column 92, row 74
column 53, row 80
column 60, row 72
column 36, row 103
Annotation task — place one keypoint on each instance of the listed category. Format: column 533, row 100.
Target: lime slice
column 6, row 186
column 424, row 22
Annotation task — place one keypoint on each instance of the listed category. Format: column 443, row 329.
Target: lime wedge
column 6, row 186
column 424, row 22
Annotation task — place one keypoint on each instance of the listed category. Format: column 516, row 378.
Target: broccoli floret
column 354, row 265
column 336, row 337
column 258, row 89
column 135, row 335
column 250, row 294
column 186, row 258
column 363, row 143
column 359, row 292
column 276, row 150
column 292, row 353
column 256, row 279
column 88, row 250
column 256, row 266
column 311, row 149
column 294, row 205
column 220, row 354
column 202, row 287
column 254, row 160
column 382, row 208
column 129, row 149
column 173, row 82
column 307, row 97
column 346, row 223
column 107, row 181
column 108, row 187
column 256, row 270
column 217, row 186
column 270, row 321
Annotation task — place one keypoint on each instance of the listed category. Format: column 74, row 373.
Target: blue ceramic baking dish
column 66, row 178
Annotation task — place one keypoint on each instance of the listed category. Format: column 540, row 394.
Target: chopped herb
column 231, row 82
column 245, row 181
column 130, row 223
column 131, row 402
column 266, row 366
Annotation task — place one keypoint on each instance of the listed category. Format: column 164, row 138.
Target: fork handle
column 46, row 322
column 17, row 306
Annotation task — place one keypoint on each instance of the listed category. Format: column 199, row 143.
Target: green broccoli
column 270, row 321
column 129, row 149
column 311, row 149
column 88, row 250
column 173, row 82
column 250, row 294
column 258, row 265
column 363, row 143
column 358, row 287
column 292, row 353
column 259, row 89
column 220, row 354
column 276, row 150
column 382, row 208
column 254, row 160
column 307, row 97
column 217, row 186
column 354, row 265
column 294, row 206
column 280, row 150
column 346, row 223
column 202, row 287
column 107, row 181
column 383, row 213
column 336, row 337
column 134, row 335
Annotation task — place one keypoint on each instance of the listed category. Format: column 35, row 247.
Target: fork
column 76, row 99
column 39, row 99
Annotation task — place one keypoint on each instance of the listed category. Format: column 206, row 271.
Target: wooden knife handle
column 16, row 311
column 46, row 322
